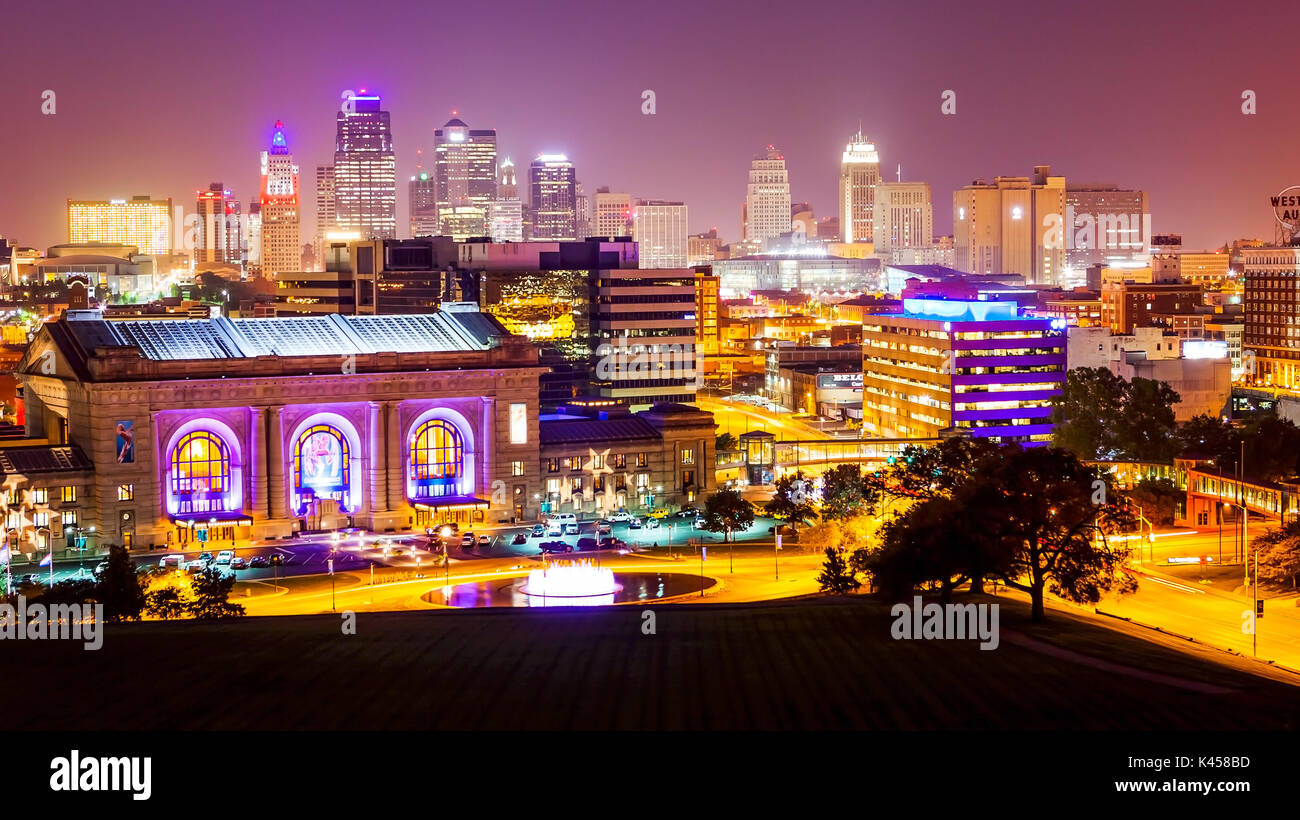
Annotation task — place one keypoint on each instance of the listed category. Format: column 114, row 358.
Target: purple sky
column 1143, row 94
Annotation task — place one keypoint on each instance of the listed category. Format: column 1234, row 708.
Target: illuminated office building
column 611, row 213
column 1013, row 225
column 465, row 177
column 553, row 188
column 281, row 232
column 903, row 216
column 365, row 170
column 218, row 239
column 141, row 221
column 973, row 366
column 422, row 200
column 659, row 229
column 859, row 176
column 766, row 214
column 326, row 210
column 1271, row 340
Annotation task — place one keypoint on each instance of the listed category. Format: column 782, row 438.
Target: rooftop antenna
column 900, row 172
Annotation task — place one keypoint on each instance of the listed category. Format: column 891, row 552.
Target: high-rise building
column 141, row 221
column 253, row 243
column 859, row 176
column 218, row 239
column 643, row 330
column 581, row 211
column 1013, row 225
column 507, row 185
column 903, row 216
column 326, row 210
column 1104, row 224
column 365, row 169
column 281, row 231
column 702, row 248
column 506, row 217
column 422, row 199
column 1271, row 354
column 465, row 170
column 659, row 229
column 611, row 213
column 554, row 197
column 767, row 197
column 930, row 368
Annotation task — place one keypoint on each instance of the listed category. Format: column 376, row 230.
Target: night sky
column 1144, row 94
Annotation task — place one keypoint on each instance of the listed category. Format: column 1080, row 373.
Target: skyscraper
column 611, row 213
column 581, row 211
column 141, row 221
column 859, row 176
column 506, row 220
column 903, row 216
column 1271, row 354
column 767, row 198
column 365, row 169
column 281, row 232
column 218, row 239
column 326, row 211
column 1008, row 226
column 465, row 169
column 1104, row 224
column 659, row 229
column 554, row 197
column 422, row 200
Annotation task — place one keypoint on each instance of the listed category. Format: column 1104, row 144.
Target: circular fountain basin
column 628, row 588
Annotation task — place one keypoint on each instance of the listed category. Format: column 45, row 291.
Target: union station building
column 154, row 431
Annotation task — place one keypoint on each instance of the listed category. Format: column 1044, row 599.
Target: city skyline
column 696, row 146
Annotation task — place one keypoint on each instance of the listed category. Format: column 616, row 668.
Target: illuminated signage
column 839, row 381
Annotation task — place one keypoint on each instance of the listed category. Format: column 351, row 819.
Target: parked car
column 171, row 561
column 197, row 565
column 239, row 563
column 484, row 541
column 538, row 531
column 554, row 529
column 604, row 526
column 467, row 540
column 688, row 512
column 699, row 522
column 520, row 538
column 659, row 512
column 276, row 560
column 448, row 529
column 30, row 579
column 620, row 517
column 556, row 546
column 610, row 543
column 634, row 523
column 653, row 523
column 571, row 528
column 587, row 545
column 224, row 556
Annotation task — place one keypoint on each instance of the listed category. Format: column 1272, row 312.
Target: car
column 634, row 523
column 30, row 579
column 571, row 528
column 171, row 561
column 467, row 540
column 621, row 517
column 398, row 552
column 611, row 543
column 700, row 522
column 276, row 560
column 556, row 546
column 659, row 512
column 688, row 512
column 587, row 545
column 538, row 531
column 554, row 530
column 653, row 523
column 561, row 518
column 239, row 563
column 446, row 529
column 205, row 556
column 224, row 556
column 604, row 526
column 485, row 541
column 258, row 561
column 520, row 538
column 197, row 565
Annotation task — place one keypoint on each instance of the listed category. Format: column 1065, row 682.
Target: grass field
column 813, row 664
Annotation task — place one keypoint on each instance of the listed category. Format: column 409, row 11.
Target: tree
column 70, row 591
column 1146, row 426
column 1084, row 413
column 836, row 576
column 726, row 512
column 167, row 603
column 1055, row 533
column 211, row 595
column 847, row 493
column 118, row 587
column 1208, row 437
column 1158, row 498
column 1279, row 554
column 726, row 442
column 792, row 501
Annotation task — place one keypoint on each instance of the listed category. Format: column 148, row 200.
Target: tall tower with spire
column 281, row 250
column 859, row 176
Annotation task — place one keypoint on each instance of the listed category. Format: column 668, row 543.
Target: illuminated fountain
column 578, row 584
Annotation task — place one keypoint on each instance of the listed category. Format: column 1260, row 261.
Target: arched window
column 322, row 467
column 200, row 473
column 437, row 459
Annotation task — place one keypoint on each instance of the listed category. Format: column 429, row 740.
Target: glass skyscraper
column 365, row 170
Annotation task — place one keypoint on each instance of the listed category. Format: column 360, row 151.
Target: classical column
column 257, row 462
column 393, row 457
column 275, row 465
column 376, row 444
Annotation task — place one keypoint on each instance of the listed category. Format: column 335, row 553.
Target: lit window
column 68, row 494
column 322, row 467
column 200, row 473
column 516, row 468
column 437, row 459
column 125, row 492
column 40, row 495
column 688, row 456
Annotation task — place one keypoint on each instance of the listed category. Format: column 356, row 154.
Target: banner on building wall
column 126, row 442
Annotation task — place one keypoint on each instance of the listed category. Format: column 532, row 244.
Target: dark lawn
column 813, row 664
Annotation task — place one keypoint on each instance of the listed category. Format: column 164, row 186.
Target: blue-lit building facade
column 945, row 366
